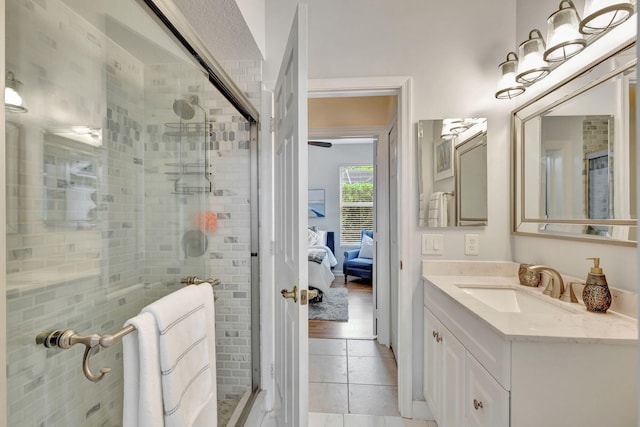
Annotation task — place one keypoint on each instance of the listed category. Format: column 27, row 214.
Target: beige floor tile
column 373, row 399
column 317, row 419
column 328, row 398
column 373, row 370
column 328, row 369
column 404, row 422
column 357, row 420
column 369, row 348
column 327, row 347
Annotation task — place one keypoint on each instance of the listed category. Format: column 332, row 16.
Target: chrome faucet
column 555, row 287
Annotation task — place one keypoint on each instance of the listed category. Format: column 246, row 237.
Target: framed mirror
column 574, row 156
column 452, row 172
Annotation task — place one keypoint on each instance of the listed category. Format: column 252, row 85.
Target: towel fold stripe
column 189, row 384
column 179, row 358
column 180, row 319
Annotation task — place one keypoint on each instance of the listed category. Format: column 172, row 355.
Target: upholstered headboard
column 331, row 241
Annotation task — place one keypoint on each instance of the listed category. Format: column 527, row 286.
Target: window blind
column 356, row 202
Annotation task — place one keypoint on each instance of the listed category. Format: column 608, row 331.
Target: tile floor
column 352, row 383
column 355, row 420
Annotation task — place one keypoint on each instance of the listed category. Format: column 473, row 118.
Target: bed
column 321, row 261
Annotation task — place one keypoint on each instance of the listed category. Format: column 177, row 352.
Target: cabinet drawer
column 486, row 344
column 486, row 403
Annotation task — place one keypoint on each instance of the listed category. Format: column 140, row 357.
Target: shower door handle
column 194, row 280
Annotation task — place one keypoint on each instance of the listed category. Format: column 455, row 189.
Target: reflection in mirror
column 70, row 184
column 576, row 156
column 446, row 158
column 471, row 181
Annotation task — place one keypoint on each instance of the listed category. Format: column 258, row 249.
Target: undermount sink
column 509, row 300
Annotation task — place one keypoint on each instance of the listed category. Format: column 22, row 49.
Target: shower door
column 110, row 197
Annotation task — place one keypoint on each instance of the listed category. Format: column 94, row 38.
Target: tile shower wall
column 93, row 279
column 228, row 247
column 597, row 131
column 69, row 273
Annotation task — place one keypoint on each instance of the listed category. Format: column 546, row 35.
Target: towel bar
column 67, row 338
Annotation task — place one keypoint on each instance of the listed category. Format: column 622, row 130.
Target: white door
column 290, row 209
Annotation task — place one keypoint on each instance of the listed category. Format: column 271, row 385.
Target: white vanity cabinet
column 486, row 403
column 484, row 368
column 457, row 388
column 443, row 372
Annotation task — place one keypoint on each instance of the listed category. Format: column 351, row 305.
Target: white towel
column 186, row 342
column 437, row 210
column 142, row 392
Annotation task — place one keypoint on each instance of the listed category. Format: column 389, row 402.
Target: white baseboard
column 422, row 411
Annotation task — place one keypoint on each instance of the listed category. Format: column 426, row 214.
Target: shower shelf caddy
column 193, row 169
column 190, row 130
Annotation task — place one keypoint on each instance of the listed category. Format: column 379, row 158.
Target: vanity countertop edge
column 576, row 326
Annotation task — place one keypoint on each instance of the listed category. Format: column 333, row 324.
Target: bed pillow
column 323, row 237
column 366, row 247
column 313, row 238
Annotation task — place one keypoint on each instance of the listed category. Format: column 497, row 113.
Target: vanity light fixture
column 508, row 87
column 601, row 15
column 564, row 39
column 12, row 100
column 532, row 67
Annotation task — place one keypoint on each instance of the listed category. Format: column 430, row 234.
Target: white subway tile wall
column 93, row 273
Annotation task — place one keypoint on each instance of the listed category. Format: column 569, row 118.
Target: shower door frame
column 3, row 247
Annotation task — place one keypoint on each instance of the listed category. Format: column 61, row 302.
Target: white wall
column 324, row 164
column 451, row 50
column 253, row 14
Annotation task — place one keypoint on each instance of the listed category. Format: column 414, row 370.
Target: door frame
column 380, row 134
column 401, row 87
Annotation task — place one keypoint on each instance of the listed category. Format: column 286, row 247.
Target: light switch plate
column 432, row 244
column 471, row 244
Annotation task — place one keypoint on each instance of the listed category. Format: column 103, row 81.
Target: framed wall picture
column 443, row 159
column 316, row 203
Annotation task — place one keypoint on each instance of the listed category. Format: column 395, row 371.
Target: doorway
column 399, row 87
column 357, row 129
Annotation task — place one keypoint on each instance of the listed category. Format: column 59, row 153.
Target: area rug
column 334, row 306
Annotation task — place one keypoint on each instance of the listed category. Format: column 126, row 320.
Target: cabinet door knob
column 477, row 404
column 438, row 338
column 434, row 333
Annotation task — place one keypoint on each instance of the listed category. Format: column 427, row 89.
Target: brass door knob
column 293, row 294
column 477, row 404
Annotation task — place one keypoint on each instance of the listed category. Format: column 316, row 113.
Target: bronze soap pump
column 596, row 294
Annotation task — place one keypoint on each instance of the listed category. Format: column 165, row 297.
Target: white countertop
column 576, row 325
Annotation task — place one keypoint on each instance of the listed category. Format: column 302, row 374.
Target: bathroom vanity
column 499, row 354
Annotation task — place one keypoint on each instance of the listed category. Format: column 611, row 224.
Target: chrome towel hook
column 68, row 338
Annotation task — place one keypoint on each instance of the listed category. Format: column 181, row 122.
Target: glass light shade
column 601, row 15
column 564, row 40
column 447, row 128
column 531, row 66
column 508, row 87
column 12, row 99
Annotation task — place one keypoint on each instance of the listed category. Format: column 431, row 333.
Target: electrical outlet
column 471, row 244
column 432, row 244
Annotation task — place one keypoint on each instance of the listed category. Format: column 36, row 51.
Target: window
column 356, row 202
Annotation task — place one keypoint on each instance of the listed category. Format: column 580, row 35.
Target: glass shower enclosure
column 127, row 171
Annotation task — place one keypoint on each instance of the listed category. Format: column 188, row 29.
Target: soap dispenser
column 596, row 294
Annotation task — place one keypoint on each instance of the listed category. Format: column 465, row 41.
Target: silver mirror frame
column 579, row 82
